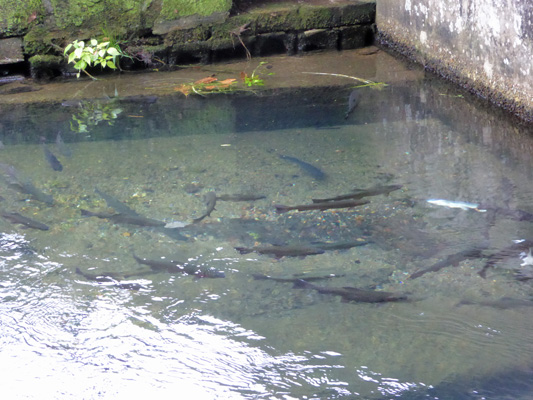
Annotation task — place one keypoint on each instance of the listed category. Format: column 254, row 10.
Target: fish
column 115, row 204
column 16, row 182
column 512, row 214
column 282, row 251
column 112, row 276
column 62, row 147
column 309, row 169
column 125, row 219
column 352, row 294
column 180, row 267
column 112, row 279
column 510, row 252
column 262, row 277
column 210, row 199
column 353, row 102
column 503, row 304
column 16, row 218
column 455, row 204
column 280, row 208
column 340, row 245
column 240, row 197
column 52, row 159
column 360, row 193
column 452, row 259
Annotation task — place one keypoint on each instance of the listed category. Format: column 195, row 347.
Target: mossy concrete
column 484, row 46
column 176, row 32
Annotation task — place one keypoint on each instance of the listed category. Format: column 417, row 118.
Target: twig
column 365, row 81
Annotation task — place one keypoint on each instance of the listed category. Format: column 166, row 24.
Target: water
column 65, row 336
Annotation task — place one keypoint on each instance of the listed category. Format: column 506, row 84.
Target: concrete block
column 11, row 51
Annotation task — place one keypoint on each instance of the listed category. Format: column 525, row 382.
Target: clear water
column 65, row 336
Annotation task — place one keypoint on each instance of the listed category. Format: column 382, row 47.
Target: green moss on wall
column 16, row 15
column 173, row 9
column 79, row 13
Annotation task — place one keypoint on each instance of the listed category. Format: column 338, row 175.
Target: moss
column 199, row 33
column 46, row 61
column 39, row 40
column 172, row 9
column 16, row 15
column 79, row 13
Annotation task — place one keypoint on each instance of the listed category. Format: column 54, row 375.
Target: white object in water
column 528, row 259
column 176, row 224
column 463, row 205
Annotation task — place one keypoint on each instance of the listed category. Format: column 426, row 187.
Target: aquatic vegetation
column 255, row 78
column 364, row 82
column 91, row 114
column 211, row 84
column 206, row 85
column 93, row 53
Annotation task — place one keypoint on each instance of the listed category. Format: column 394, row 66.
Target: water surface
column 65, row 336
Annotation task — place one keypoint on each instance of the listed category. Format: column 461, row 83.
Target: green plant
column 255, row 79
column 92, row 113
column 92, row 54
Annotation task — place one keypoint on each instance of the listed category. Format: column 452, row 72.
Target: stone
column 317, row 39
column 355, row 37
column 11, row 51
column 274, row 43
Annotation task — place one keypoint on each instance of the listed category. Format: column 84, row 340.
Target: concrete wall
column 484, row 45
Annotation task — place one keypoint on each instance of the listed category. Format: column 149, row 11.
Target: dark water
column 178, row 336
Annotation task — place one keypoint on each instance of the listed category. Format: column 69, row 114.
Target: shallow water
column 64, row 336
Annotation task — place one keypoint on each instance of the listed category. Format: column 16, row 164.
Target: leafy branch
column 90, row 54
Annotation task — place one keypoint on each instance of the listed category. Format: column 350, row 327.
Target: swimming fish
column 240, row 197
column 352, row 294
column 16, row 218
column 455, row 204
column 282, row 251
column 125, row 219
column 452, row 259
column 509, row 253
column 113, row 279
column 180, row 267
column 360, row 193
column 115, row 204
column 503, row 304
column 321, row 206
column 210, row 199
column 62, row 147
column 353, row 102
column 309, row 169
column 14, row 180
column 340, row 245
column 262, row 277
column 52, row 159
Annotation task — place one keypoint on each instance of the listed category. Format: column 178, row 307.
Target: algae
column 16, row 16
column 172, row 9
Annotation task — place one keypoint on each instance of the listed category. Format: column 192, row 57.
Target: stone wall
column 484, row 45
column 166, row 33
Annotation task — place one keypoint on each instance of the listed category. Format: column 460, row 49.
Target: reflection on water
column 81, row 318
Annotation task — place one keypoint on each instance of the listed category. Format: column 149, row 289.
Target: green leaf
column 81, row 44
column 113, row 51
column 81, row 65
column 87, row 58
column 101, row 53
column 71, row 57
column 67, row 48
column 94, row 42
column 111, row 64
column 78, row 52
